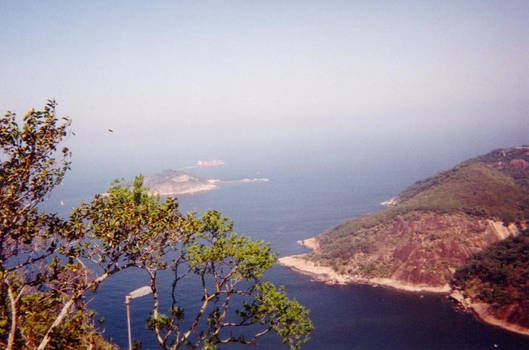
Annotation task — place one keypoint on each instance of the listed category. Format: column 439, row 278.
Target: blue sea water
column 299, row 202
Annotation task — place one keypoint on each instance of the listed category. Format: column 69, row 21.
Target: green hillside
column 499, row 276
column 435, row 225
column 513, row 162
column 483, row 187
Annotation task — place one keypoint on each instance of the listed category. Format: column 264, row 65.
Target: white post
column 133, row 295
column 127, row 302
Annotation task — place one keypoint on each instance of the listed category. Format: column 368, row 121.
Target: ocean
column 301, row 200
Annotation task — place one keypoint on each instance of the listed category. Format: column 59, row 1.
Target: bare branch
column 155, row 311
column 207, row 299
column 13, row 301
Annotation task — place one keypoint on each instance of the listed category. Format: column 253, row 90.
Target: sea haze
column 304, row 197
column 341, row 104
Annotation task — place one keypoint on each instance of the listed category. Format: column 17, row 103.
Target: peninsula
column 431, row 232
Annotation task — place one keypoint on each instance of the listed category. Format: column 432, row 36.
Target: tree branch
column 155, row 313
column 207, row 299
column 65, row 309
column 13, row 303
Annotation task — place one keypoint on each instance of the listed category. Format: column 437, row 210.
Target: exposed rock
column 519, row 164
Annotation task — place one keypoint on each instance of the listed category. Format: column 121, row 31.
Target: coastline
column 166, row 190
column 327, row 275
column 190, row 191
column 481, row 311
column 310, row 243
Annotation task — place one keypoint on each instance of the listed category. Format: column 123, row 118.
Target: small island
column 175, row 182
column 462, row 232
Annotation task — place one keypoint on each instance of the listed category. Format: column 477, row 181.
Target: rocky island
column 463, row 232
column 175, row 182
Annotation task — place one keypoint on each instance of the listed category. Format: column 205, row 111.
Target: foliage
column 37, row 311
column 126, row 226
column 29, row 238
column 28, row 172
column 473, row 188
column 502, row 160
column 499, row 275
column 43, row 259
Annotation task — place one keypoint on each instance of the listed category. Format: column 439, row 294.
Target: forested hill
column 436, row 223
column 495, row 283
column 477, row 185
column 432, row 229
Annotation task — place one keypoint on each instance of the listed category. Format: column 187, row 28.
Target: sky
column 259, row 81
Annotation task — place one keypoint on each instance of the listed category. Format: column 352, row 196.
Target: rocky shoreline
column 483, row 313
column 326, row 274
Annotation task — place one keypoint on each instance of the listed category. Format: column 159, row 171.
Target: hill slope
column 495, row 283
column 431, row 230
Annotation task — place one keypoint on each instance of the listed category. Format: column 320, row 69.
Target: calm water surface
column 298, row 204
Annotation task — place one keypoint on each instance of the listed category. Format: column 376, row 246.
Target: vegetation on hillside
column 499, row 276
column 513, row 162
column 475, row 189
column 436, row 223
column 418, row 247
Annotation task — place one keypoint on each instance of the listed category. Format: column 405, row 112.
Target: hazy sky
column 180, row 81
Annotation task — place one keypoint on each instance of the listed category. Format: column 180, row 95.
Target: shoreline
column 212, row 184
column 481, row 312
column 327, row 275
column 191, row 191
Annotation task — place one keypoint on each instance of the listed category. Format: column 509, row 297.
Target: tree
column 44, row 258
column 34, row 281
column 128, row 227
